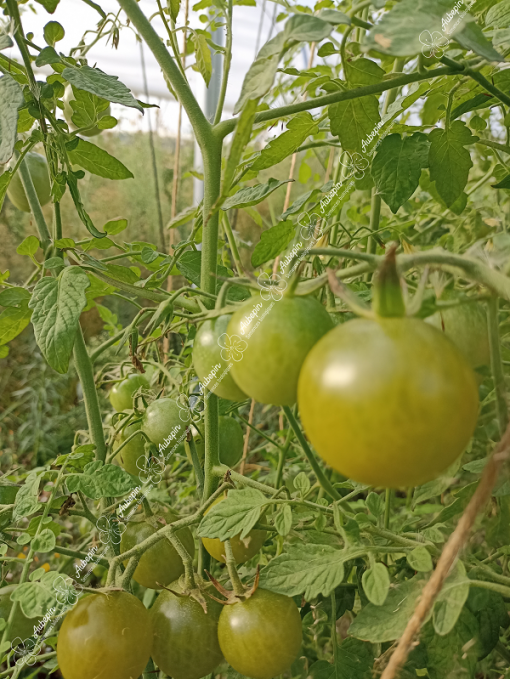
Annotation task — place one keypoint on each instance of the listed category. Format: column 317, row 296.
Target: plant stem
column 230, row 561
column 227, row 60
column 86, row 377
column 197, row 467
column 281, row 459
column 34, row 203
column 334, row 640
column 321, row 477
column 498, row 374
column 387, row 508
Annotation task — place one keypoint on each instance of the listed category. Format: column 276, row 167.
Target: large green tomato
column 390, row 402
column 466, row 326
column 185, row 638
column 261, row 637
column 121, row 395
column 165, row 422
column 213, row 357
column 231, row 442
column 132, row 457
column 272, row 356
column 68, row 114
column 38, row 168
column 22, row 627
column 160, row 564
column 105, row 635
column 243, row 549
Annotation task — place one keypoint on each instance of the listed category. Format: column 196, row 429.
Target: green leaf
column 236, row 515
column 258, row 80
column 5, row 41
column 354, row 660
column 98, row 161
column 397, row 166
column 106, row 481
column 503, row 184
column 241, row 138
column 97, row 82
column 420, row 560
column 361, row 72
column 86, row 108
column 47, row 56
column 13, row 296
column 49, row 5
column 27, row 502
column 283, row 520
column 302, row 483
column 65, row 243
column 72, row 182
column 375, row 504
column 13, row 321
column 183, row 217
column 490, row 611
column 472, row 38
column 353, row 121
column 203, row 56
column 98, row 244
column 306, row 28
column 298, row 129
column 449, row 161
column 451, row 600
column 174, row 6
column 11, row 98
column 454, row 654
column 29, row 246
column 106, row 123
column 333, row 16
column 272, row 242
column 115, row 226
column 252, row 195
column 53, row 32
column 379, row 624
column 45, row 541
column 34, row 525
column 376, row 583
column 308, row 569
column 498, row 15
column 57, row 305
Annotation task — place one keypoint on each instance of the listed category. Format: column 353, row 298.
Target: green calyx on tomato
column 186, row 642
column 107, row 635
column 242, row 548
column 38, row 168
column 121, row 395
column 261, row 636
column 165, row 422
column 160, row 564
column 273, row 337
column 388, row 300
column 213, row 354
column 231, row 442
column 389, row 402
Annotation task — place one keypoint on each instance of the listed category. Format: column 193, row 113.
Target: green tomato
column 185, row 637
column 272, row 355
column 38, row 168
column 121, row 395
column 466, row 326
column 68, row 114
column 165, row 422
column 132, row 457
column 261, row 636
column 160, row 564
column 390, row 402
column 231, row 442
column 213, row 355
column 105, row 635
column 242, row 548
column 22, row 627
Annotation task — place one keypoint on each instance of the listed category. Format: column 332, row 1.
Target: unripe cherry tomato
column 165, row 422
column 160, row 564
column 121, row 395
column 269, row 366
column 390, row 402
column 132, row 457
column 231, row 442
column 212, row 355
column 261, row 637
column 242, row 548
column 105, row 635
column 38, row 168
column 185, row 637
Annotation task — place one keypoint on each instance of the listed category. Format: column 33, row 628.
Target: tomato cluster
column 111, row 634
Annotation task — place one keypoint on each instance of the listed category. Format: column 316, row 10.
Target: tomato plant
column 105, row 633
column 165, row 421
column 121, row 395
column 181, row 626
column 261, row 637
column 160, row 564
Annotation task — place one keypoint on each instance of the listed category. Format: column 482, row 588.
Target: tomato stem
column 230, row 561
column 498, row 374
column 388, row 300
